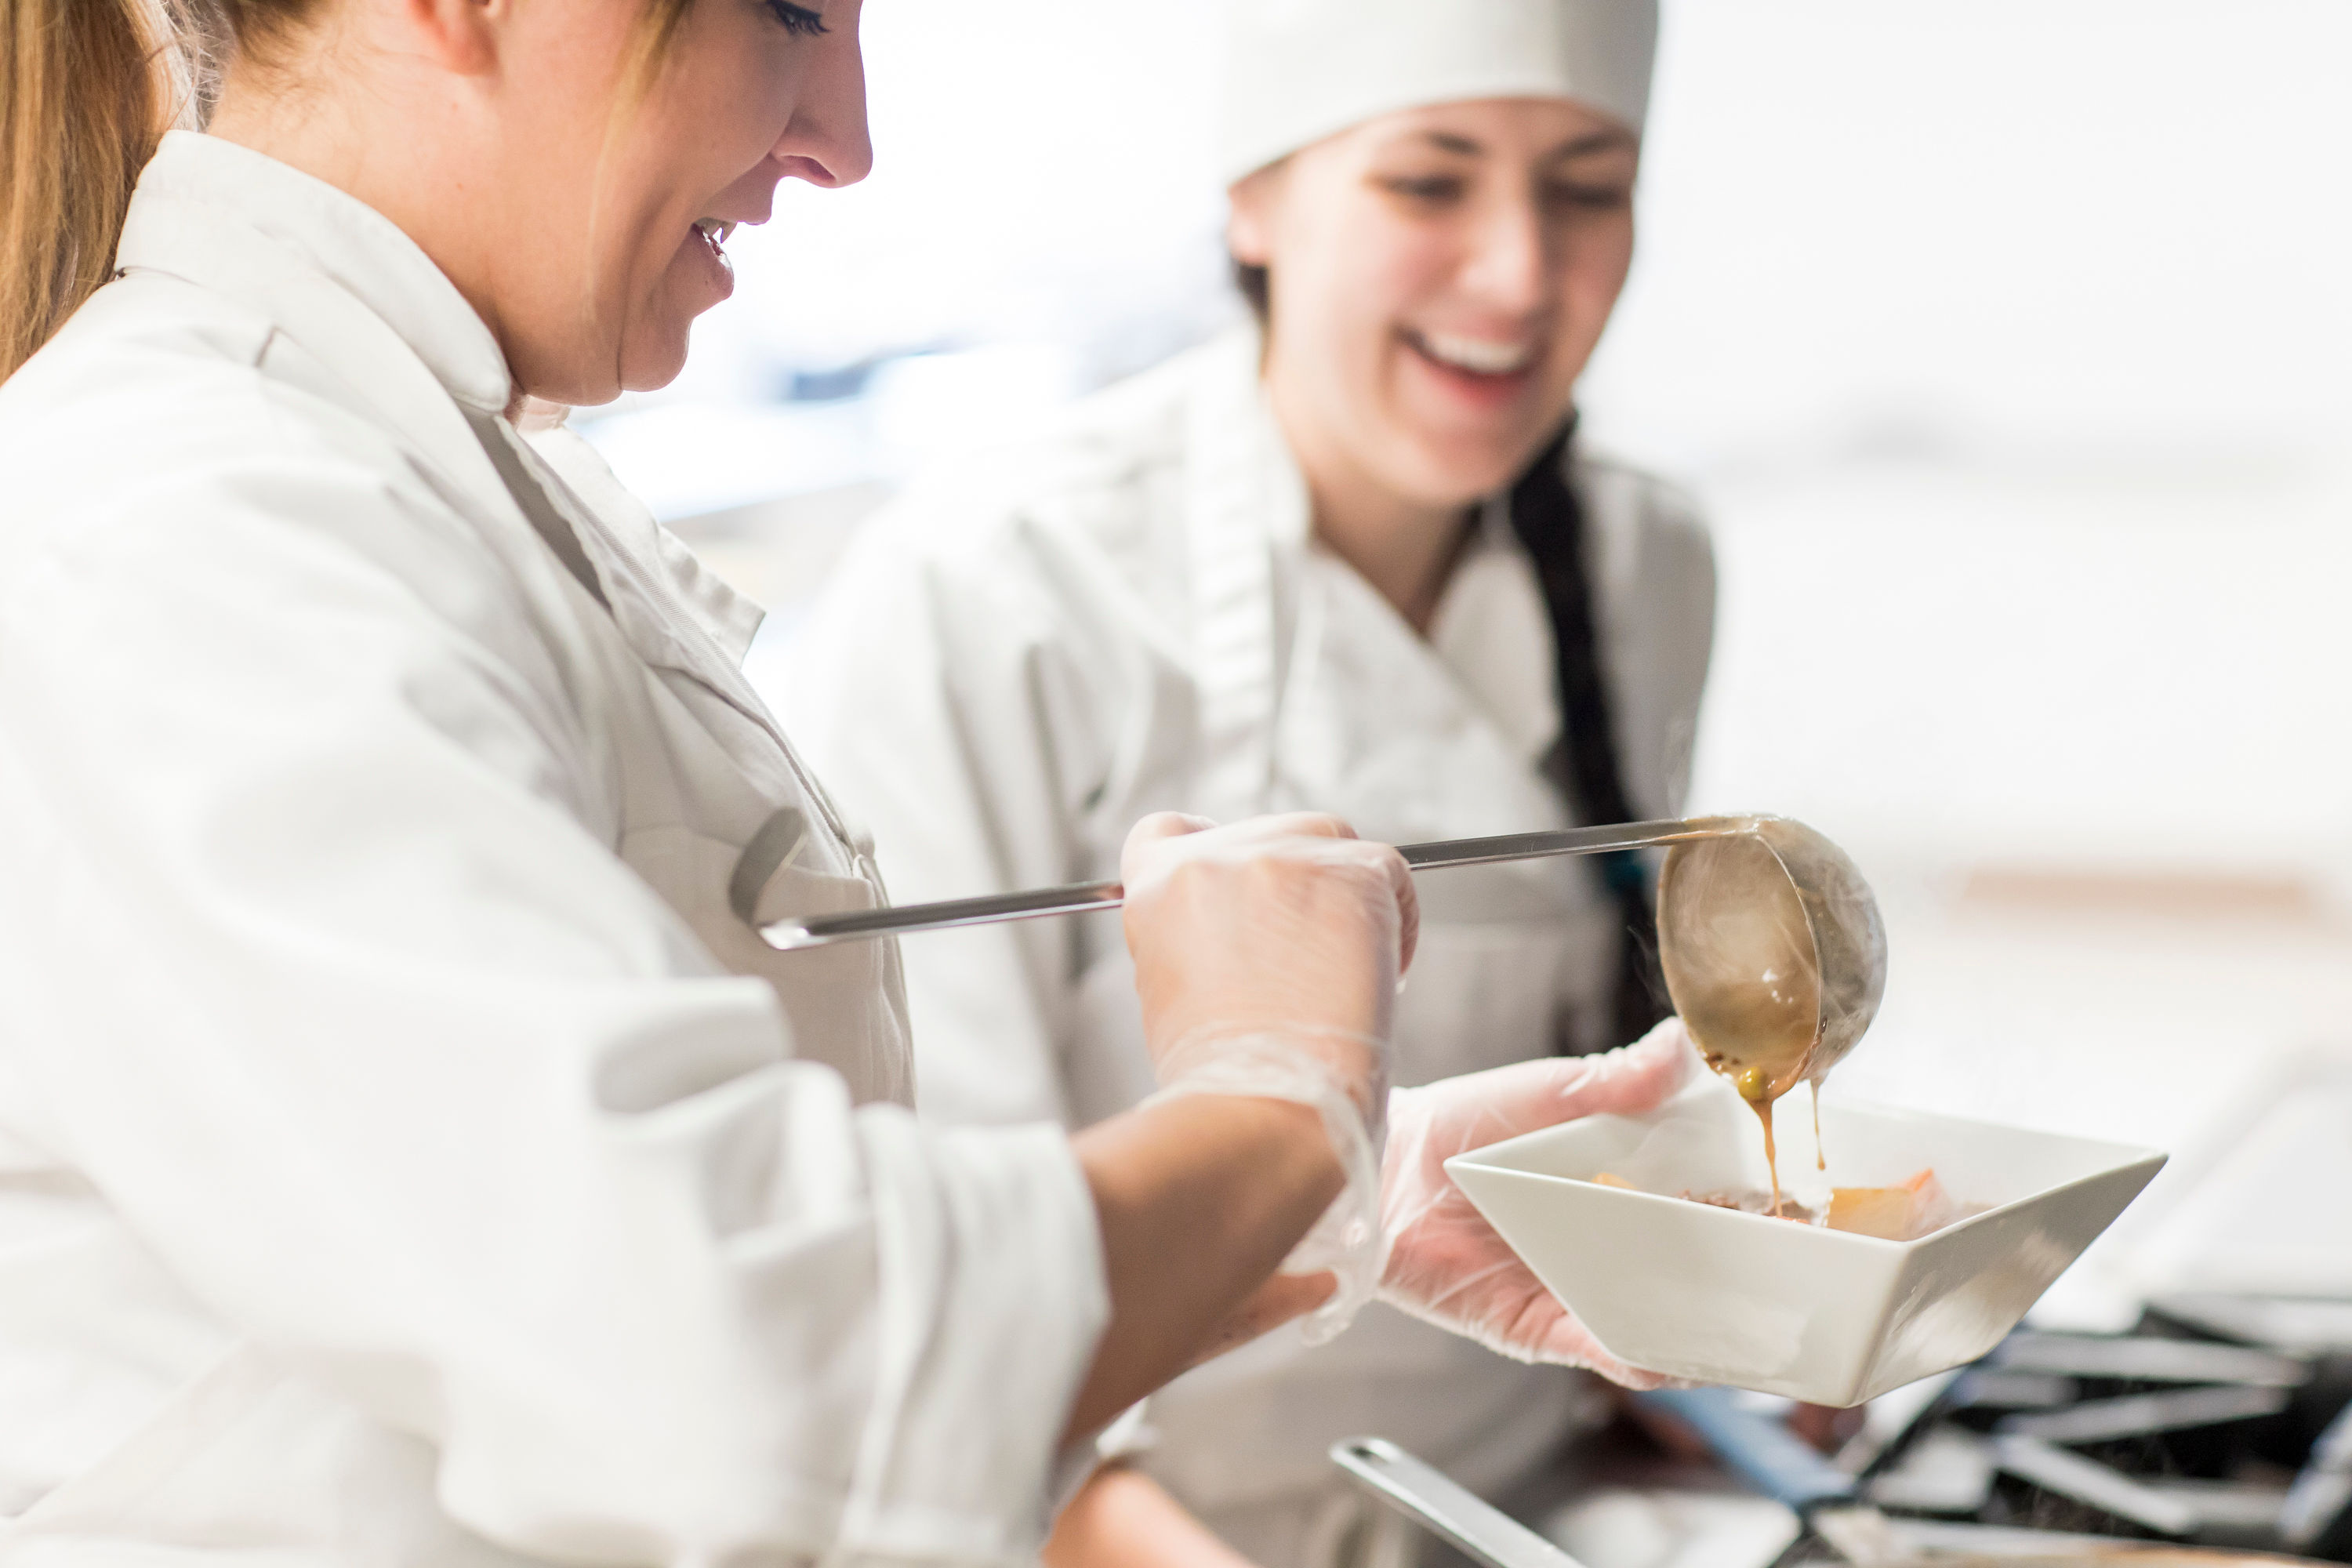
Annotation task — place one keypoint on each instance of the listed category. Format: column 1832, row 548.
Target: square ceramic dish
column 1719, row 1296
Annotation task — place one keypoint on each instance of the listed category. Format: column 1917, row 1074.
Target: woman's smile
column 1481, row 374
column 705, row 249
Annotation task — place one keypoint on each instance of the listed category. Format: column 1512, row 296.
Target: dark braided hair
column 1548, row 518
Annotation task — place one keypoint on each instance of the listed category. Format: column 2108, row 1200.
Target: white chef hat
column 1296, row 72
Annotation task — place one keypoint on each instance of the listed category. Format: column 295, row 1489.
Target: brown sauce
column 1756, row 1087
column 1905, row 1212
column 1745, row 974
column 1763, row 1109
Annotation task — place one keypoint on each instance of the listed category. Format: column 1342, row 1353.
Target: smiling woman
column 410, row 1151
column 580, row 323
column 1350, row 561
column 1436, row 280
column 595, row 123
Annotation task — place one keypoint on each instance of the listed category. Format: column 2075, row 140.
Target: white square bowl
column 1719, row 1296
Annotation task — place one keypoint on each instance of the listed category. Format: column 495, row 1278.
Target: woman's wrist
column 1281, row 1300
column 1200, row 1198
column 1343, row 1076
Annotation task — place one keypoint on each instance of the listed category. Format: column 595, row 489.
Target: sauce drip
column 1820, row 1156
column 1763, row 1109
column 1754, row 1086
column 1741, row 964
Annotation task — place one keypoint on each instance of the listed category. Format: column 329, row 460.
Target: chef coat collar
column 346, row 285
column 1249, row 508
column 206, row 210
column 1489, row 617
column 1245, row 503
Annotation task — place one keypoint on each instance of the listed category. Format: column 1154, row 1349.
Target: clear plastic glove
column 1266, row 958
column 1445, row 1263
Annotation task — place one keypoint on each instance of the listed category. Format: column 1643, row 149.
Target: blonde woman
column 1352, row 559
column 409, row 1152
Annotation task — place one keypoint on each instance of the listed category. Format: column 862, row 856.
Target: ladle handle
column 798, row 931
column 1432, row 1498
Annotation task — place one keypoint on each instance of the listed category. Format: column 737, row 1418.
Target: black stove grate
column 2219, row 1421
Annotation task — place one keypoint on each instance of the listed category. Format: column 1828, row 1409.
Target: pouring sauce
column 1775, row 956
column 1743, row 971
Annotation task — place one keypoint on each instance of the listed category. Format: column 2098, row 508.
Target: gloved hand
column 1445, row 1263
column 1266, row 958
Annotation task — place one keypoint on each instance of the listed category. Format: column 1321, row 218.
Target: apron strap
column 1549, row 517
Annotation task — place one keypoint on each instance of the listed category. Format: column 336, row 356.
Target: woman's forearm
column 1200, row 1198
column 1271, row 1305
column 1123, row 1518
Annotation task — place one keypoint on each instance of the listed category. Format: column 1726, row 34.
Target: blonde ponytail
column 87, row 88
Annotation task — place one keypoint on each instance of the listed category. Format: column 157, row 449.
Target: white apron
column 1131, row 616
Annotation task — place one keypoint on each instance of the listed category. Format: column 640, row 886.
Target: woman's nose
column 1507, row 265
column 827, row 142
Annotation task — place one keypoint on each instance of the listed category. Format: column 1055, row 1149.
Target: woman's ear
column 1249, row 217
column 460, row 36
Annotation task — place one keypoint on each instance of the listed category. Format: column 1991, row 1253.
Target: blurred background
column 2004, row 343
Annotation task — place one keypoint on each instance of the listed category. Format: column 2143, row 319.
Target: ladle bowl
column 1773, row 952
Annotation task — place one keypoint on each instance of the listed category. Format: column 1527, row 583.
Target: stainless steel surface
column 2316, row 1514
column 2149, row 1359
column 1948, row 1471
column 2181, row 1436
column 2003, row 1388
column 1855, row 1534
column 2218, row 1490
column 1437, row 1501
column 1926, row 1543
column 2092, row 1483
column 2290, row 1325
column 1759, row 1450
column 2137, row 1414
column 2210, row 1494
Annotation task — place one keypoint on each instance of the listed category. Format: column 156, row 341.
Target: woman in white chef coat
column 409, row 1153
column 1353, row 561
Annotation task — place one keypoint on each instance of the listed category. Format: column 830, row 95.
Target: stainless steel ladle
column 1773, row 953
column 1769, row 938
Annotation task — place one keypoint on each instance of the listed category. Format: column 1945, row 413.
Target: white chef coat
column 1023, row 658
column 407, row 1155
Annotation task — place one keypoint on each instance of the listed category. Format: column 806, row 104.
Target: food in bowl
column 1905, row 1211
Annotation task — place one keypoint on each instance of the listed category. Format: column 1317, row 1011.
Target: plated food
column 1815, row 1312
column 1903, row 1211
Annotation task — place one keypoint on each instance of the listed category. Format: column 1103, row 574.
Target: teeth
column 715, row 230
column 1480, row 355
